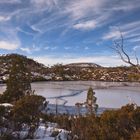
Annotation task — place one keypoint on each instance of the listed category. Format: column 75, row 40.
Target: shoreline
column 105, row 84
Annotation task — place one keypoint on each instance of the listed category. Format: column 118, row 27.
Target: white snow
column 45, row 133
column 6, row 105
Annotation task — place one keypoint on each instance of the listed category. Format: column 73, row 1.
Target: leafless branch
column 119, row 48
column 137, row 60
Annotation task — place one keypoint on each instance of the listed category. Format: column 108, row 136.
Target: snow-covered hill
column 70, row 72
column 83, row 65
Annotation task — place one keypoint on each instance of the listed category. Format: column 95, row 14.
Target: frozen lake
column 109, row 94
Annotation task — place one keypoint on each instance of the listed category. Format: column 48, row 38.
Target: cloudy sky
column 65, row 31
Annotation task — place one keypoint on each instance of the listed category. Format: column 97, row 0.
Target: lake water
column 109, row 94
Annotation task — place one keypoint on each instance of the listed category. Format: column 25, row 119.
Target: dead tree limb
column 125, row 57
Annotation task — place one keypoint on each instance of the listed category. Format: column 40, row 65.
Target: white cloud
column 3, row 18
column 101, row 60
column 128, row 30
column 80, row 9
column 8, row 45
column 135, row 48
column 85, row 25
column 112, row 35
column 131, row 25
column 135, row 39
column 50, row 48
column 91, row 14
column 9, row 33
column 86, row 15
column 28, row 50
column 49, row 4
column 24, row 31
column 35, row 29
column 126, row 5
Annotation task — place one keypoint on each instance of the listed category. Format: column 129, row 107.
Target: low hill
column 34, row 67
column 73, row 71
column 83, row 65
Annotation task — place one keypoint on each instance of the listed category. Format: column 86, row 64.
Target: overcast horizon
column 62, row 31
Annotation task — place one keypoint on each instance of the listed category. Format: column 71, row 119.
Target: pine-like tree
column 91, row 101
column 18, row 84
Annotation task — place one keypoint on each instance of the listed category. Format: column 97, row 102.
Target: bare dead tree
column 125, row 57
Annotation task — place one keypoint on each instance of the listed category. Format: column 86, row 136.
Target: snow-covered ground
column 45, row 133
column 48, row 131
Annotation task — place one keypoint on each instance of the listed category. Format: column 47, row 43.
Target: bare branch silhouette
column 125, row 57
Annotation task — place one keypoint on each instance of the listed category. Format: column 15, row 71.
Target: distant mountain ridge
column 84, row 65
column 68, row 72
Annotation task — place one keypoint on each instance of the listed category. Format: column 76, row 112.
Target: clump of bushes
column 121, row 124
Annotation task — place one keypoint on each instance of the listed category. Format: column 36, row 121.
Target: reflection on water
column 109, row 94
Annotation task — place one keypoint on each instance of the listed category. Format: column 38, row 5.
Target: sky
column 68, row 31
